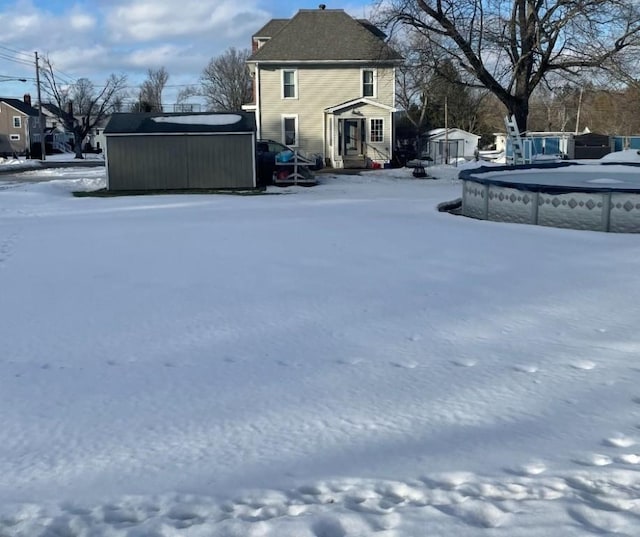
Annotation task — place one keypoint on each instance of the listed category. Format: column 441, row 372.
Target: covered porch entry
column 351, row 142
column 358, row 133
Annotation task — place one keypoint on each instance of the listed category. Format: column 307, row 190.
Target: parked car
column 270, row 152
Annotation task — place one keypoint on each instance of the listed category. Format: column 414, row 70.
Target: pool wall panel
column 625, row 213
column 577, row 210
column 511, row 205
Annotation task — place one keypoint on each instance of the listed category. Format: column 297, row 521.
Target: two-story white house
column 324, row 82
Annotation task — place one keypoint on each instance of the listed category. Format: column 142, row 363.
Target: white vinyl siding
column 318, row 88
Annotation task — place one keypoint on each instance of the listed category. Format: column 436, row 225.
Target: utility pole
column 446, row 130
column 579, row 107
column 43, row 152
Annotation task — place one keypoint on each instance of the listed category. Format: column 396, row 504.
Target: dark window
column 368, row 83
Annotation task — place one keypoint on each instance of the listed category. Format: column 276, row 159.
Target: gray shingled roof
column 21, row 106
column 325, row 35
column 147, row 123
column 271, row 28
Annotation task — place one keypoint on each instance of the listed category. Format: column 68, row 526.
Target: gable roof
column 314, row 35
column 21, row 106
column 435, row 133
column 56, row 111
column 355, row 102
column 271, row 28
column 194, row 122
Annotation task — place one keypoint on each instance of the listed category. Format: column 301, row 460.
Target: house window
column 290, row 130
column 17, row 122
column 14, row 137
column 368, row 83
column 289, row 84
column 376, row 130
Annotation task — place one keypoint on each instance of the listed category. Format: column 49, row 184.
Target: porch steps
column 354, row 162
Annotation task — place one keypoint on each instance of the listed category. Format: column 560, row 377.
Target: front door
column 352, row 136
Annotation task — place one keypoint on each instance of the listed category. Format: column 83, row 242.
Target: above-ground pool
column 596, row 197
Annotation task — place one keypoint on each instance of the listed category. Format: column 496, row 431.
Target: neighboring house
column 18, row 126
column 324, row 82
column 445, row 145
column 96, row 140
column 57, row 138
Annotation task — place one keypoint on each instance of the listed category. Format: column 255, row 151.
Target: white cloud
column 150, row 20
column 154, row 56
column 82, row 21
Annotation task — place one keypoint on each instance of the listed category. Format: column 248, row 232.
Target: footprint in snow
column 465, row 362
column 529, row 469
column 619, row 441
column 585, row 365
column 628, row 458
column 405, row 365
column 526, row 368
column 594, row 459
column 350, row 361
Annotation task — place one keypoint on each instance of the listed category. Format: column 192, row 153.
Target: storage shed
column 155, row 151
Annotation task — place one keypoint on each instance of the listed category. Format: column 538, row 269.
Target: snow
column 211, row 119
column 335, row 361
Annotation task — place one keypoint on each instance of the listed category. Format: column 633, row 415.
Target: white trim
column 360, row 100
column 14, row 137
column 369, row 130
column 258, row 103
column 13, row 122
column 394, row 83
column 297, row 130
column 218, row 133
column 378, row 63
column 375, row 82
column 295, row 83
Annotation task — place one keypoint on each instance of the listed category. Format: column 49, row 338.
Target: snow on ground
column 335, row 361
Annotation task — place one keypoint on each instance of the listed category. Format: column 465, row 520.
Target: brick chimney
column 27, row 99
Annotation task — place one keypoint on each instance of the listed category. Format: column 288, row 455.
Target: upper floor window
column 376, row 130
column 368, row 83
column 289, row 84
column 17, row 122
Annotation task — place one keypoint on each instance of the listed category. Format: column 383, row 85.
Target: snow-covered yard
column 336, row 361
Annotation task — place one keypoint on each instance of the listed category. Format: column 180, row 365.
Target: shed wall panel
column 221, row 161
column 147, row 162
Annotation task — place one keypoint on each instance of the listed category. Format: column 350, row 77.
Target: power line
column 8, row 58
column 21, row 52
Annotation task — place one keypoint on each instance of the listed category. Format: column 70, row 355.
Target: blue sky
column 93, row 38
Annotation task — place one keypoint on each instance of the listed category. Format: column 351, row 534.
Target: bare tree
column 412, row 86
column 81, row 105
column 150, row 96
column 226, row 82
column 510, row 46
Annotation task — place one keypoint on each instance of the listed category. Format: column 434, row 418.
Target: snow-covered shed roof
column 440, row 132
column 195, row 122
